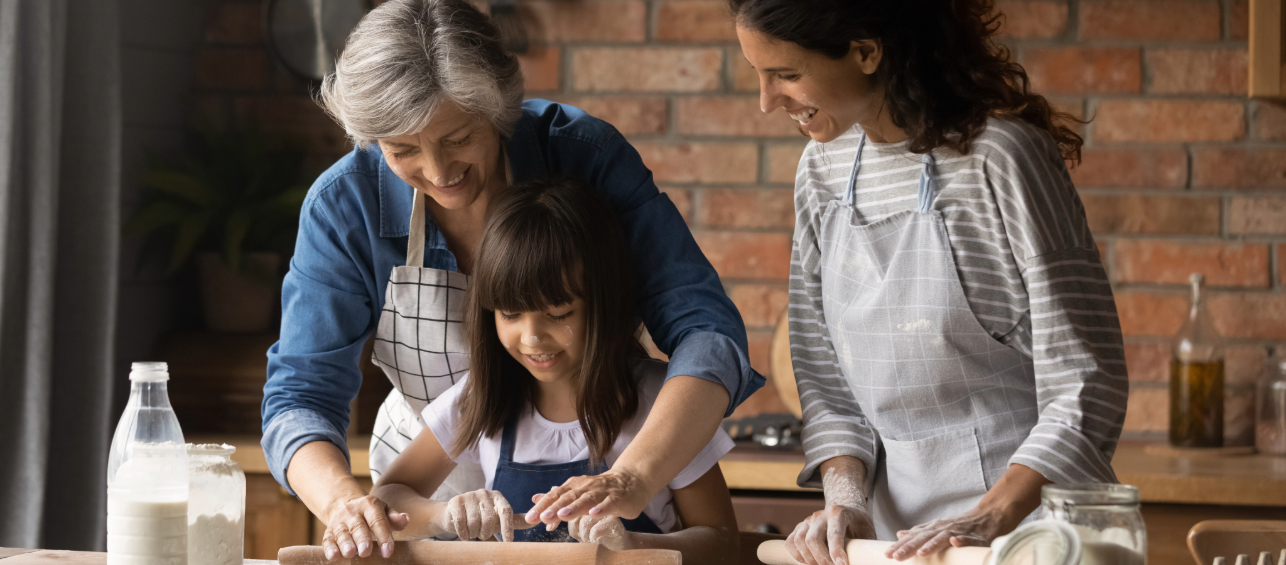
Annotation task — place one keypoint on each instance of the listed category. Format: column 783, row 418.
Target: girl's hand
column 615, row 493
column 351, row 522
column 823, row 537
column 607, row 531
column 480, row 514
column 975, row 527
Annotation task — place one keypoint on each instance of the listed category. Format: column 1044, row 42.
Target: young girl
column 557, row 388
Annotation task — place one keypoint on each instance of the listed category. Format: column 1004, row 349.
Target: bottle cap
column 149, row 372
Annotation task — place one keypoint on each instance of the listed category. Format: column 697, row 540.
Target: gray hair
column 408, row 56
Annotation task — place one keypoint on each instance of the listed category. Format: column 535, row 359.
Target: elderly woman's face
column 454, row 159
column 823, row 96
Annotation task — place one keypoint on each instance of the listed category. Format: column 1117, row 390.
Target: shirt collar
column 526, row 161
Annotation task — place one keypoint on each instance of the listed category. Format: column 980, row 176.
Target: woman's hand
column 355, row 524
column 975, row 527
column 607, row 531
column 480, row 514
column 823, row 537
column 615, row 493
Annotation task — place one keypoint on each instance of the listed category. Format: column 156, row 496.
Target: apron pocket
column 926, row 479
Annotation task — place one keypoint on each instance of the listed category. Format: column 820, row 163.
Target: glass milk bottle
column 147, row 477
column 1196, row 377
column 1270, row 407
column 216, row 506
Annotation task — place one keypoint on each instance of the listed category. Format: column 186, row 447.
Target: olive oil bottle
column 1197, row 377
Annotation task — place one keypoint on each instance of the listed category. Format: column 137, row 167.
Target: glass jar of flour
column 1106, row 518
column 216, row 506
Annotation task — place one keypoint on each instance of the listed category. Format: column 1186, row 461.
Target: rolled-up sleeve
column 681, row 299
column 313, row 370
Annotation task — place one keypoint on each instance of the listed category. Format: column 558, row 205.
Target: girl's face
column 454, row 159
column 550, row 343
column 824, row 96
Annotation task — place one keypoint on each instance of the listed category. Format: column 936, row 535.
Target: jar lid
column 1043, row 542
column 211, row 449
column 1090, row 494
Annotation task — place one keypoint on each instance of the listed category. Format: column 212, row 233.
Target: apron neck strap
column 850, row 193
column 415, row 235
column 928, row 185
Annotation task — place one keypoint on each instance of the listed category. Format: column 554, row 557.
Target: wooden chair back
column 1230, row 538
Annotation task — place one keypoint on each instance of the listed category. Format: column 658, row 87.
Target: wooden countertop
column 1250, row 480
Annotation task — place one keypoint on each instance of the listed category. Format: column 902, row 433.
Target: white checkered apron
column 421, row 346
column 950, row 403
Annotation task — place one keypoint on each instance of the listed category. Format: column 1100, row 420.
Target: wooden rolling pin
column 480, row 552
column 871, row 552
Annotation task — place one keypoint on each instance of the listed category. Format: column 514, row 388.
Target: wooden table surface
column 1248, row 480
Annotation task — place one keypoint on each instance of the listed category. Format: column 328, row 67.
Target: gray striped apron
column 421, row 346
column 949, row 403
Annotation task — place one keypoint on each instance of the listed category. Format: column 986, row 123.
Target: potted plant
column 231, row 199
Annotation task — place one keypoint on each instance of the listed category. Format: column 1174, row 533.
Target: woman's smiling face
column 453, row 159
column 824, row 96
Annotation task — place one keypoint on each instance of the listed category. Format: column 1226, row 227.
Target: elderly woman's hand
column 615, row 492
column 822, row 539
column 975, row 527
column 354, row 526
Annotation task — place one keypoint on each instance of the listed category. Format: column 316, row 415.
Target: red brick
column 694, row 20
column 1239, row 23
column 1249, row 315
column 1197, row 71
column 1148, row 362
column 1244, row 364
column 236, row 23
column 1191, row 20
column 783, row 162
column 1239, row 168
column 630, row 115
column 760, row 351
column 1281, row 264
column 1148, row 410
column 1070, row 105
column 1169, row 120
column 649, row 69
column 1032, row 18
column 555, row 21
column 1155, row 314
column 1265, row 215
column 682, row 199
column 1270, row 120
column 747, row 208
column 1101, row 247
column 209, row 112
column 540, row 66
column 701, row 162
column 232, row 69
column 744, row 76
column 1128, row 168
column 760, row 304
column 742, row 255
column 296, row 116
column 1083, row 69
column 730, row 115
column 1170, row 262
column 1144, row 214
column 764, row 401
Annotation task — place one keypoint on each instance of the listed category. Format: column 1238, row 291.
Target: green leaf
column 154, row 217
column 180, row 185
column 289, row 201
column 189, row 234
column 234, row 234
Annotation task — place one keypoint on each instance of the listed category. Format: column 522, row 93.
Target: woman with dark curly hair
column 953, row 333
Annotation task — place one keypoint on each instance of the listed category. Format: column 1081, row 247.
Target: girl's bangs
column 528, row 266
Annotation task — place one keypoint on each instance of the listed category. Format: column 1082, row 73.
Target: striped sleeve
column 833, row 421
column 1077, row 350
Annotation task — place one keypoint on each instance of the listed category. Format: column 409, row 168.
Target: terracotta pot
column 239, row 302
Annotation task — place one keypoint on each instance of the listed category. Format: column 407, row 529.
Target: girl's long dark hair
column 942, row 72
column 546, row 242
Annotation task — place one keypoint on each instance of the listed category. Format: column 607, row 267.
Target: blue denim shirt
column 353, row 231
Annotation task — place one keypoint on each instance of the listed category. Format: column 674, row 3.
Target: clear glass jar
column 1106, row 517
column 1270, row 407
column 216, row 506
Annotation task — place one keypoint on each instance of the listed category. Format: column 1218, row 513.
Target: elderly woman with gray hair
column 386, row 243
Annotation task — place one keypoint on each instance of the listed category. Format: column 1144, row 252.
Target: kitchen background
column 1181, row 171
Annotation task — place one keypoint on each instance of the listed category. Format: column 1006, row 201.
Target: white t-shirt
column 539, row 441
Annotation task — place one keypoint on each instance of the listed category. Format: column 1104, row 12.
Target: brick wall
column 1181, row 173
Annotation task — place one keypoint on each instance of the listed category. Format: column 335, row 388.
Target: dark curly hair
column 942, row 72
